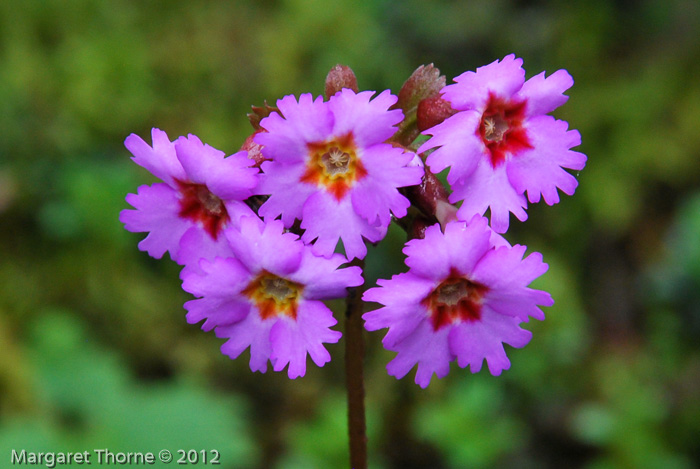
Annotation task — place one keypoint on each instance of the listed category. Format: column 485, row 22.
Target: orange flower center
column 456, row 299
column 274, row 296
column 334, row 165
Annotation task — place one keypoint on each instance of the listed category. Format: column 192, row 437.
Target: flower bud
column 417, row 228
column 259, row 113
column 432, row 111
column 339, row 77
column 426, row 195
column 254, row 149
column 425, row 82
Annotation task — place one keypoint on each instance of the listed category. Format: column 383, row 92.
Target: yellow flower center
column 334, row 165
column 273, row 295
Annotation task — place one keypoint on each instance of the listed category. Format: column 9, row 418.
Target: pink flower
column 500, row 144
column 201, row 194
column 464, row 296
column 331, row 169
column 266, row 296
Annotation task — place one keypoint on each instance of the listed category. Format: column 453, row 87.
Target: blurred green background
column 94, row 348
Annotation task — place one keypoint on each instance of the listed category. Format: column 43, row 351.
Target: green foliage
column 96, row 352
column 469, row 424
column 629, row 421
column 84, row 400
column 323, row 442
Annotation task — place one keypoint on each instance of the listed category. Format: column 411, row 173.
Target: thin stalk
column 354, row 379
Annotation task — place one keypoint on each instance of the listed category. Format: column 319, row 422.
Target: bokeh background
column 94, row 348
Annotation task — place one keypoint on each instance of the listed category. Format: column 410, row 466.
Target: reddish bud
column 426, row 195
column 339, row 77
column 425, row 82
column 432, row 111
column 254, row 149
column 259, row 113
column 417, row 228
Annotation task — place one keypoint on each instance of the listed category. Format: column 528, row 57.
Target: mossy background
column 94, row 348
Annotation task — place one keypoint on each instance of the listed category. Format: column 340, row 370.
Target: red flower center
column 273, row 295
column 198, row 204
column 334, row 165
column 456, row 299
column 501, row 129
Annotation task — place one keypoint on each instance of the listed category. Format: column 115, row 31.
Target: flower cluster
column 263, row 235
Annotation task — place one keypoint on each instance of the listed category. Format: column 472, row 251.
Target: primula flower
column 464, row 296
column 267, row 297
column 202, row 193
column 500, row 144
column 331, row 169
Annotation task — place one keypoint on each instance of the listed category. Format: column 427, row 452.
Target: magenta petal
column 157, row 207
column 473, row 342
column 460, row 247
column 304, row 121
column 540, row 171
column 374, row 201
column 220, row 278
column 288, row 194
column 404, row 288
column 471, row 90
column 198, row 159
column 392, row 166
column 265, row 246
column 308, row 118
column 237, row 209
column 230, row 178
column 376, row 195
column 219, row 283
column 401, row 320
column 543, row 95
column 464, row 254
column 233, row 177
column 292, row 340
column 370, row 122
column 406, row 320
column 489, row 188
column 288, row 348
column 429, row 257
column 250, row 332
column 505, row 267
column 403, row 312
column 283, row 144
column 329, row 220
column 508, row 276
column 197, row 244
column 458, row 146
column 426, row 348
column 160, row 159
column 323, row 279
column 216, row 313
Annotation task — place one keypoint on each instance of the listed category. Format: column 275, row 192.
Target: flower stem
column 354, row 380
